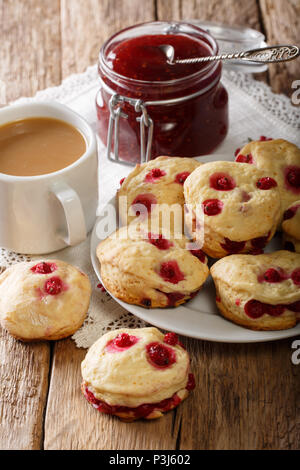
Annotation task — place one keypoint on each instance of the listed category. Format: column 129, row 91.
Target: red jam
column 191, row 383
column 289, row 214
column 292, row 178
column 260, row 242
column 174, row 298
column 143, row 204
column 233, row 247
column 170, row 272
column 273, row 275
column 222, row 182
column 171, row 339
column 44, row 268
column 256, row 309
column 244, row 159
column 181, row 177
column 199, row 254
column 266, row 183
column 54, row 286
column 132, row 65
column 212, row 207
column 121, row 342
column 296, row 277
column 141, row 411
column 154, row 175
column 159, row 241
column 160, row 356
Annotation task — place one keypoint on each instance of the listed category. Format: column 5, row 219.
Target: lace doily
column 254, row 110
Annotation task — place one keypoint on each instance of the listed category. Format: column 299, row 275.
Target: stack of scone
column 230, row 208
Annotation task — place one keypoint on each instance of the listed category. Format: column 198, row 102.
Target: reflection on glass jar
column 144, row 103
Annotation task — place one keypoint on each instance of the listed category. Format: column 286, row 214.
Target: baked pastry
column 136, row 373
column 282, row 158
column 291, row 227
column 152, row 187
column 259, row 292
column 43, row 300
column 151, row 270
column 231, row 207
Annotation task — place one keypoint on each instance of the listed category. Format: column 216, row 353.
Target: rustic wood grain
column 225, row 11
column 23, row 391
column 247, row 397
column 281, row 23
column 30, row 58
column 86, row 24
column 30, row 52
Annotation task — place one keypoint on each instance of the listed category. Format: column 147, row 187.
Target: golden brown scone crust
column 248, row 213
column 30, row 314
column 276, row 155
column 130, row 268
column 291, row 222
column 240, row 278
column 166, row 189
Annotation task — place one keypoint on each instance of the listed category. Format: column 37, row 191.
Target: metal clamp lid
column 146, row 123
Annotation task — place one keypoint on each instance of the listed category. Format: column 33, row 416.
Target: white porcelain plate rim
column 191, row 319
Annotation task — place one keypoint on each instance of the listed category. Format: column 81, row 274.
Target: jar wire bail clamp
column 115, row 107
column 140, row 106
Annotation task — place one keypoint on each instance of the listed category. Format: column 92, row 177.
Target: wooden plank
column 246, row 397
column 71, row 423
column 86, row 24
column 29, row 61
column 30, row 54
column 225, row 11
column 23, row 392
column 281, row 24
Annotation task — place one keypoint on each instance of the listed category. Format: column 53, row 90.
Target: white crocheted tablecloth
column 254, row 111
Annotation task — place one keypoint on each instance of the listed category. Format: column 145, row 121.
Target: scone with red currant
column 259, row 292
column 155, row 190
column 136, row 373
column 151, row 269
column 283, row 159
column 231, row 207
column 291, row 227
column 43, row 300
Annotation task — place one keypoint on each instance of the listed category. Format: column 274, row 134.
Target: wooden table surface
column 247, row 395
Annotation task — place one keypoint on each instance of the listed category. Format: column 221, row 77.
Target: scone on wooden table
column 151, row 270
column 259, row 292
column 239, row 205
column 291, row 227
column 43, row 300
column 281, row 157
column 136, row 373
column 152, row 186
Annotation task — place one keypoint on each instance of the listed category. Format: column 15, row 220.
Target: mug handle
column 73, row 213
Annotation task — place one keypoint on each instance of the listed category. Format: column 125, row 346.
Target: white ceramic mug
column 45, row 213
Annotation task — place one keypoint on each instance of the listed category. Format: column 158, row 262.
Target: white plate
column 198, row 318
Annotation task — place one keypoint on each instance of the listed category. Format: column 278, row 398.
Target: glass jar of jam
column 147, row 107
